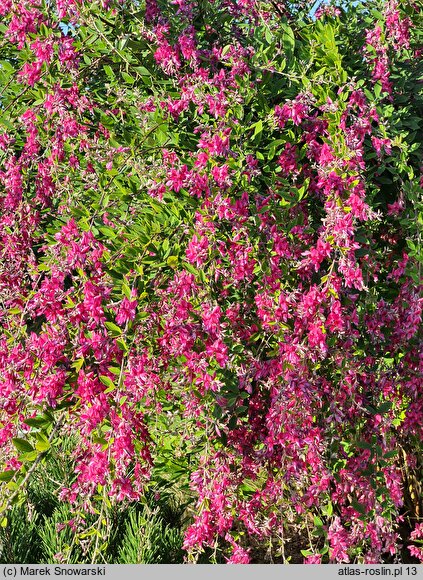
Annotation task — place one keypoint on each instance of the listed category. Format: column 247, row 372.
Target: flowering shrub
column 209, row 278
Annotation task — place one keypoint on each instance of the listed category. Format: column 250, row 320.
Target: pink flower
column 239, row 555
column 339, row 541
column 221, row 176
column 68, row 54
column 43, row 50
column 167, row 57
column 313, row 559
column 201, row 159
column 397, row 207
column 320, row 12
column 378, row 144
column 197, row 250
column 320, row 252
column 417, row 552
column 126, row 312
column 219, row 351
column 359, row 207
column 417, row 532
column 211, row 318
column 201, row 532
column 31, row 72
column 317, row 336
column 326, row 155
column 122, row 489
column 335, row 320
column 288, row 159
column 187, row 45
column 398, row 28
column 93, row 468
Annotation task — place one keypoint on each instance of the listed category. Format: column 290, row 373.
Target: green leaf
column 391, row 454
column 107, row 381
column 7, row 475
column 364, row 445
column 328, row 510
column 172, row 262
column 268, row 36
column 128, row 78
column 100, row 441
column 77, row 365
column 114, row 328
column 288, row 39
column 108, row 232
column 359, row 507
column 127, row 292
column 141, row 70
column 22, row 444
column 42, row 445
column 384, row 407
column 39, row 421
column 122, row 344
column 258, row 128
column 317, row 522
column 109, row 71
column 29, row 456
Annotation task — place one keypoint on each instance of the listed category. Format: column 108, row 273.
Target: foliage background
column 209, row 281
